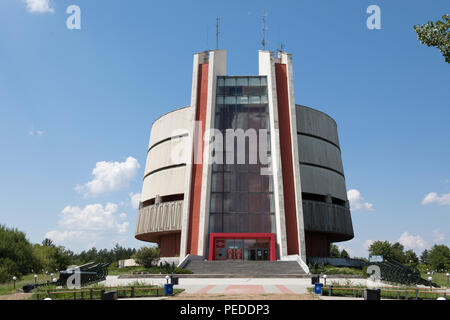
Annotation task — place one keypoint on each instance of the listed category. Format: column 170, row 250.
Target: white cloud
column 93, row 217
column 411, row 242
column 357, row 201
column 110, row 176
column 35, row 132
column 62, row 236
column 135, row 198
column 438, row 236
column 39, row 6
column 433, row 197
column 368, row 243
column 90, row 226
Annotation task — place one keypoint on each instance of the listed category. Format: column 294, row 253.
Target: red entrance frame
column 269, row 236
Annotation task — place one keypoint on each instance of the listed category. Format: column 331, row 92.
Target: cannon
column 89, row 273
column 394, row 271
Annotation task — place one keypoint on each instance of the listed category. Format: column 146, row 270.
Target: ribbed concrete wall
column 165, row 154
column 316, row 123
column 163, row 183
column 158, row 219
column 164, row 173
column 321, row 168
column 321, row 173
column 319, row 152
column 164, row 126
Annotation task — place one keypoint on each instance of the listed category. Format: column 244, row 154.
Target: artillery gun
column 88, row 273
column 394, row 271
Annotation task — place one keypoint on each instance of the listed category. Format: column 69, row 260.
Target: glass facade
column 241, row 198
column 242, row 249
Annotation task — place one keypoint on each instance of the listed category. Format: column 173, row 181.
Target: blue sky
column 75, row 100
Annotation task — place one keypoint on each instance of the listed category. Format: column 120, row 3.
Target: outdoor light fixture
column 14, row 279
column 430, row 279
column 35, row 278
column 325, row 279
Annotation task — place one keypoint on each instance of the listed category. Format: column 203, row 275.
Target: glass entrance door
column 234, row 249
column 242, row 249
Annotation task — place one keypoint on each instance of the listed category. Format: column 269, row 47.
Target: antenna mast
column 217, row 32
column 263, row 42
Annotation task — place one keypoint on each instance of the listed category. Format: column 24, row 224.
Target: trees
column 16, row 254
column 388, row 251
column 51, row 258
column 105, row 255
column 396, row 252
column 439, row 257
column 48, row 242
column 146, row 256
column 436, row 35
column 380, row 248
column 424, row 257
column 336, row 253
column 344, row 254
column 411, row 259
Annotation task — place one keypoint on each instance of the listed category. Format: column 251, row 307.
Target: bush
column 4, row 275
column 146, row 257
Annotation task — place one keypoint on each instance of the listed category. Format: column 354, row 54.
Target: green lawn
column 385, row 293
column 140, row 290
column 328, row 270
column 114, row 270
column 8, row 287
column 439, row 278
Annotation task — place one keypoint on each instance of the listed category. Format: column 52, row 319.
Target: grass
column 8, row 287
column 385, row 293
column 115, row 271
column 439, row 278
column 85, row 293
column 328, row 270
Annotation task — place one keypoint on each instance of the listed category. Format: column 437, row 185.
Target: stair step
column 245, row 267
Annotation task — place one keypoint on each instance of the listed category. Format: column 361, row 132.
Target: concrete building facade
column 201, row 196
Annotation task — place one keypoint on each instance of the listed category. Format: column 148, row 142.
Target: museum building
column 203, row 201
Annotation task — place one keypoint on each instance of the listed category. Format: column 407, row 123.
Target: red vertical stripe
column 290, row 210
column 197, row 169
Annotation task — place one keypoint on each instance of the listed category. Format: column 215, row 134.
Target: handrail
column 416, row 291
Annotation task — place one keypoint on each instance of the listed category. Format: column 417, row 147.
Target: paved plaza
column 229, row 286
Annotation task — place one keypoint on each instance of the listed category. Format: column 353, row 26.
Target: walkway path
column 228, row 286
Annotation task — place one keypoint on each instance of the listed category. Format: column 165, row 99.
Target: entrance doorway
column 242, row 249
column 242, row 246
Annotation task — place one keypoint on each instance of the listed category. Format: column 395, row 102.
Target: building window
column 241, row 198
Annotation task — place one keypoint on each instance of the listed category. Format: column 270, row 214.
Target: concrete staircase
column 250, row 268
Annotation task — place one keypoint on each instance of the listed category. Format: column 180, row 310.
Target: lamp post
column 35, row 278
column 14, row 279
column 430, row 279
column 325, row 280
column 448, row 275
